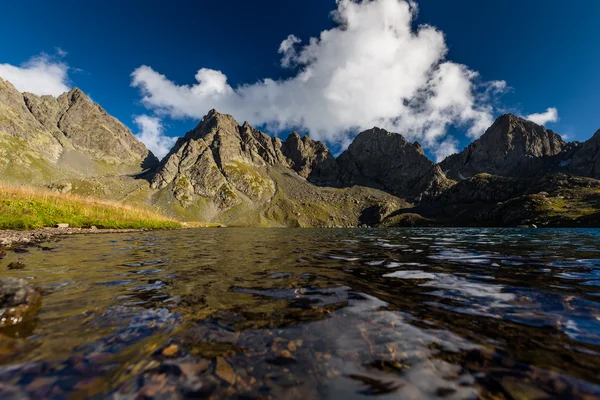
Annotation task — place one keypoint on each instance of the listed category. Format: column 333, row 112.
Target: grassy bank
column 26, row 208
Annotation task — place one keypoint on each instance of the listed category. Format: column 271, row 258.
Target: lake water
column 310, row 313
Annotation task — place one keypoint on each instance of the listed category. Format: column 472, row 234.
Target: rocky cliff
column 511, row 147
column 312, row 160
column 388, row 161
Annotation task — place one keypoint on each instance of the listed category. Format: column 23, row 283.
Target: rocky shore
column 10, row 239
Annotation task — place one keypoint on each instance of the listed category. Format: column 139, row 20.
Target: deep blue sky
column 548, row 51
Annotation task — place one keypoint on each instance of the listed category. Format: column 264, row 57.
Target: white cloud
column 40, row 75
column 551, row 115
column 60, row 52
column 288, row 50
column 152, row 135
column 373, row 69
column 445, row 148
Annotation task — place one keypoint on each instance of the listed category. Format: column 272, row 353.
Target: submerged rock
column 18, row 301
column 16, row 265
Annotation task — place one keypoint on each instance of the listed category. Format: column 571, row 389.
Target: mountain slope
column 511, row 147
column 43, row 138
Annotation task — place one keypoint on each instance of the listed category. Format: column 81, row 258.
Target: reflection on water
column 407, row 313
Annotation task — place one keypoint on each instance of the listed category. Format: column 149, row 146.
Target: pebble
column 171, row 350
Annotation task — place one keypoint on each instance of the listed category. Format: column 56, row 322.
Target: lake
column 310, row 313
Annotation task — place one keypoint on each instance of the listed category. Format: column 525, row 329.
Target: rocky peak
column 418, row 147
column 585, row 160
column 387, row 160
column 76, row 94
column 311, row 159
column 72, row 131
column 17, row 122
column 512, row 147
column 229, row 141
column 222, row 162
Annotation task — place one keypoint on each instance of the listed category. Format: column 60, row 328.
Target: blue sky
column 547, row 52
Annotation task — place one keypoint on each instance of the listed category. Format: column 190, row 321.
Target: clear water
column 291, row 313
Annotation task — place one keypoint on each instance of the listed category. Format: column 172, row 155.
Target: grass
column 24, row 208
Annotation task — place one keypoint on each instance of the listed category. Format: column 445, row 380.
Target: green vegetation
column 247, row 177
column 26, row 208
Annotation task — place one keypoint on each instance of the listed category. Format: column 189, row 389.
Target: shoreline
column 10, row 239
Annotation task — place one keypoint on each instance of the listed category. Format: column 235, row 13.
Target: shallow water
column 315, row 313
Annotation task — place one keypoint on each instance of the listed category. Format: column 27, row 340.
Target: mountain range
column 516, row 173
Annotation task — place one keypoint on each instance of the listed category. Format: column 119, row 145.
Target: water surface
column 311, row 313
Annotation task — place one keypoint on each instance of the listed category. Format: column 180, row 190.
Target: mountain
column 311, row 160
column 222, row 162
column 388, row 161
column 235, row 174
column 43, row 138
column 554, row 199
column 517, row 173
column 511, row 147
column 585, row 159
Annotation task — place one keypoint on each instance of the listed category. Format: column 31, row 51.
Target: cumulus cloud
column 288, row 50
column 151, row 133
column 551, row 115
column 447, row 147
column 40, row 75
column 372, row 69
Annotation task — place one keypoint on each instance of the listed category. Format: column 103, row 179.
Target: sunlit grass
column 28, row 208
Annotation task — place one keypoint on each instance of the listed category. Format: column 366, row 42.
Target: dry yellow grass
column 28, row 208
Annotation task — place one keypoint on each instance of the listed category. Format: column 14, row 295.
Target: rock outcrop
column 388, row 161
column 311, row 160
column 511, row 147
